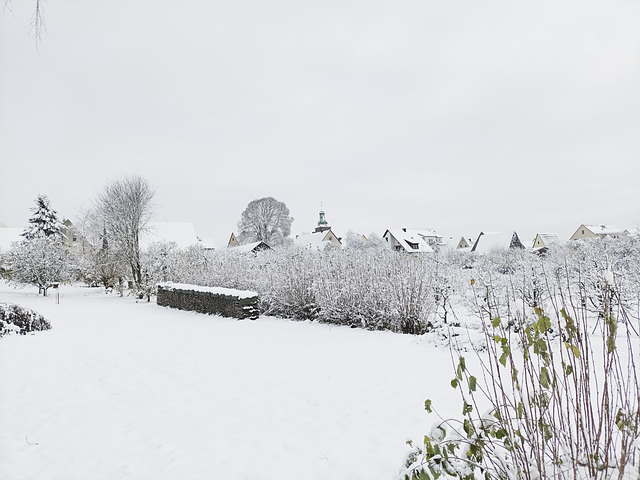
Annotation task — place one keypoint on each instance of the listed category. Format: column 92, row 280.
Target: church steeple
column 322, row 222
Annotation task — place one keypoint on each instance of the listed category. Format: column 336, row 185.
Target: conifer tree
column 44, row 222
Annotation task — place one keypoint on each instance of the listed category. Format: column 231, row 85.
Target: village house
column 253, row 247
column 543, row 240
column 412, row 240
column 73, row 239
column 464, row 244
column 593, row 231
column 233, row 241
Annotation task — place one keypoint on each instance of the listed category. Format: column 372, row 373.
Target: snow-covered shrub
column 287, row 287
column 558, row 372
column 364, row 286
column 20, row 320
column 193, row 265
column 40, row 261
column 351, row 290
column 101, row 266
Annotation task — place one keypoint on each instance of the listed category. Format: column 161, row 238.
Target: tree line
column 364, row 284
column 112, row 228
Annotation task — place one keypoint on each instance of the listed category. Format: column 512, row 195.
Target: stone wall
column 212, row 300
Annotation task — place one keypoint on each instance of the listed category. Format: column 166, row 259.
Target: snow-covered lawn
column 120, row 389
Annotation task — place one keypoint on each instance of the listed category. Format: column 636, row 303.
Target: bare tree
column 266, row 220
column 123, row 210
column 40, row 261
column 37, row 23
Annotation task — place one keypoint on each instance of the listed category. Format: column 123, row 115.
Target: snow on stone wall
column 215, row 301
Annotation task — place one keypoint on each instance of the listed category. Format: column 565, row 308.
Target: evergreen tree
column 44, row 222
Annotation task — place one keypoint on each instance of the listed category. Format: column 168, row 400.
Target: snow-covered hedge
column 554, row 391
column 371, row 287
column 20, row 320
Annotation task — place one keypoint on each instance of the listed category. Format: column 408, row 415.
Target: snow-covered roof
column 453, row 242
column 547, row 239
column 488, row 241
column 8, row 236
column 412, row 240
column 604, row 229
column 208, row 243
column 313, row 241
column 248, row 247
column 181, row 233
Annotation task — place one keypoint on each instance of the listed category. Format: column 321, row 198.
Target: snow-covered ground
column 120, row 389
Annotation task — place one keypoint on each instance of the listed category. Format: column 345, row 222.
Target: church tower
column 322, row 223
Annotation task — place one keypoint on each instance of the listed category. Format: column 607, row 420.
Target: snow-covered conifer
column 44, row 222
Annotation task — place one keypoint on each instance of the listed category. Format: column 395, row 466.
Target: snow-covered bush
column 557, row 371
column 287, row 286
column 375, row 289
column 366, row 285
column 100, row 267
column 20, row 320
column 40, row 261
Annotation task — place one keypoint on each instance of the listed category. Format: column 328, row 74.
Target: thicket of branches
column 371, row 287
column 265, row 220
column 119, row 215
column 557, row 392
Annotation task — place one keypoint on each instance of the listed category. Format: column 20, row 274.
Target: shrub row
column 20, row 320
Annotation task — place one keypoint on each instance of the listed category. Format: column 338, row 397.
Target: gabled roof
column 233, row 241
column 181, row 233
column 249, row 247
column 488, row 241
column 547, row 239
column 412, row 240
column 454, row 243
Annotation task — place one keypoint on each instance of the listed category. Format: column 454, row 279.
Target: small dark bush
column 17, row 319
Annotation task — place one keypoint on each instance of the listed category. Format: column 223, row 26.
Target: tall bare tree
column 123, row 210
column 266, row 220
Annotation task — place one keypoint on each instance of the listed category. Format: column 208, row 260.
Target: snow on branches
column 44, row 222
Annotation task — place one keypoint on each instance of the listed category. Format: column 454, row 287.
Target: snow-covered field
column 121, row 389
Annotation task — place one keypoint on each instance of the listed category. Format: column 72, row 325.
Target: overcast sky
column 456, row 115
